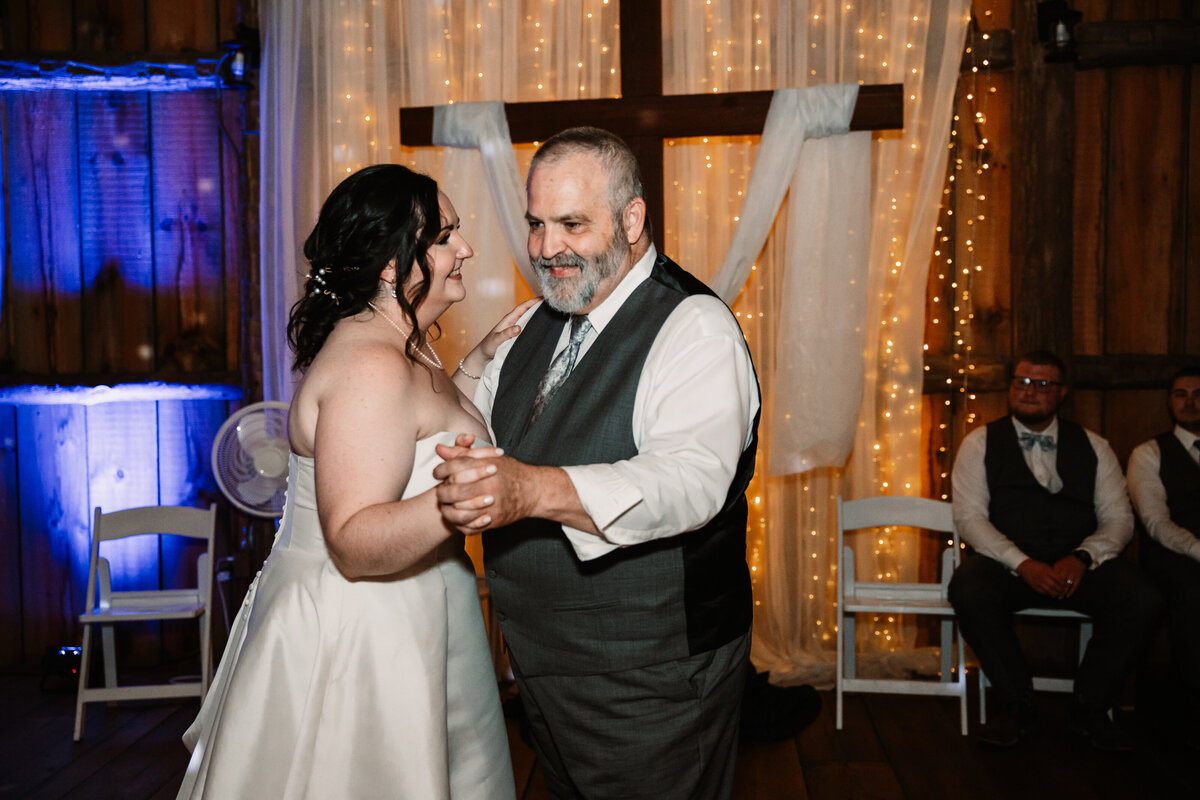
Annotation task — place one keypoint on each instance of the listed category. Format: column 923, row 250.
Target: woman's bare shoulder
column 351, row 375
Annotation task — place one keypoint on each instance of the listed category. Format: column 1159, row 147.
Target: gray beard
column 572, row 295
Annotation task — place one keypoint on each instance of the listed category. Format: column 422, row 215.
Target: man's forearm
column 555, row 498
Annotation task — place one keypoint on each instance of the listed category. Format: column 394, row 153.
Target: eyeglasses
column 1039, row 386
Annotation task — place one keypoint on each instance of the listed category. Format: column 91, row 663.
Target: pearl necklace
column 434, row 362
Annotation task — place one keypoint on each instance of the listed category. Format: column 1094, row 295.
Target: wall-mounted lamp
column 1056, row 23
column 241, row 54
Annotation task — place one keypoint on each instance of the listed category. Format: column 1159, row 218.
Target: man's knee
column 1130, row 595
column 972, row 585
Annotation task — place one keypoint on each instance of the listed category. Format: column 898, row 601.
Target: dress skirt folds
column 332, row 688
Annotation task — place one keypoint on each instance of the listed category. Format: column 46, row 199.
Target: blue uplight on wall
column 70, row 449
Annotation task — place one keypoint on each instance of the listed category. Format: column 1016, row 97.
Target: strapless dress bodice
column 300, row 529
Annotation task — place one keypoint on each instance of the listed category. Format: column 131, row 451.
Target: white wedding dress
column 337, row 689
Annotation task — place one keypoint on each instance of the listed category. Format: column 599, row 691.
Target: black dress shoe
column 1006, row 729
column 1101, row 732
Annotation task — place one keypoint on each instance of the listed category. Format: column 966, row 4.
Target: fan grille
column 250, row 457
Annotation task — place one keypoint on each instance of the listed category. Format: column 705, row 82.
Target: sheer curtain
column 336, row 71
column 327, row 107
column 738, row 45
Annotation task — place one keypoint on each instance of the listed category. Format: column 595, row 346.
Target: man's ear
column 633, row 219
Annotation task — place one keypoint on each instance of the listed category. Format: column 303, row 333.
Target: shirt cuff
column 605, row 495
column 1011, row 557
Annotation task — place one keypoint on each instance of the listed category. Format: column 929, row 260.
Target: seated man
column 1043, row 503
column 1164, row 479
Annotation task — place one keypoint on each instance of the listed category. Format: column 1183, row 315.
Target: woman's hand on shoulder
column 507, row 328
column 470, row 368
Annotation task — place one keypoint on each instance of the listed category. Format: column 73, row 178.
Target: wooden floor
column 891, row 747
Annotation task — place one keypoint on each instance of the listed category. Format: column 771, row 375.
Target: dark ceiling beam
column 1118, row 43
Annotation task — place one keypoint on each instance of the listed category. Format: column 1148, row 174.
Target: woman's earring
column 392, row 289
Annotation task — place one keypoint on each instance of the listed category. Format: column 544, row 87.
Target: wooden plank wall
column 1137, row 199
column 1134, row 299
column 119, row 201
column 125, row 246
column 61, row 461
column 1131, row 314
column 118, row 26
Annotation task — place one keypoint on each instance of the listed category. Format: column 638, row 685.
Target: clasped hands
column 481, row 488
column 1059, row 581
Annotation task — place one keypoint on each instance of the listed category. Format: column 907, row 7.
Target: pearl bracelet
column 463, row 369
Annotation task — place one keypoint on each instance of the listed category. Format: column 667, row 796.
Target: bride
column 358, row 665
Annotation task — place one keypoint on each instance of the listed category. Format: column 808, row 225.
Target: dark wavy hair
column 378, row 214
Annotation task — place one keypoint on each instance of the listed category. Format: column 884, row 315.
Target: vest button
column 491, row 573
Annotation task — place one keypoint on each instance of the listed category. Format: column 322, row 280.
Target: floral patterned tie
column 561, row 367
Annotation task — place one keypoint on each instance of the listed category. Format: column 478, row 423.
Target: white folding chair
column 104, row 607
column 855, row 596
column 1044, row 684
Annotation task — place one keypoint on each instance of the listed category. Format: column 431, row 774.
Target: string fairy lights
column 882, row 52
column 958, row 260
column 526, row 50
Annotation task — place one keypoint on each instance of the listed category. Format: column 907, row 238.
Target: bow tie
column 1028, row 440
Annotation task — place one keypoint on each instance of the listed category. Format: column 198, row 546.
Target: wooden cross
column 644, row 116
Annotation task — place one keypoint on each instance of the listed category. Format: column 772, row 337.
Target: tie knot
column 580, row 326
column 1042, row 440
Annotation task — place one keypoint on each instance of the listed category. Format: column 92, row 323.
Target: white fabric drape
column 335, row 71
column 822, row 307
column 820, row 321
column 483, row 127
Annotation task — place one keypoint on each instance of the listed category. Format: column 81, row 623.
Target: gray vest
column 639, row 605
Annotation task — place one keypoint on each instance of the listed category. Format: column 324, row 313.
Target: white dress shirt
column 693, row 416
column 1150, row 496
column 971, row 497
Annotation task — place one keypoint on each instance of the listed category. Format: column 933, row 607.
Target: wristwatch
column 1084, row 557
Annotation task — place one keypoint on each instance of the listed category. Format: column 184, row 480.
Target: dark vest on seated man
column 1181, row 478
column 654, row 602
column 1045, row 526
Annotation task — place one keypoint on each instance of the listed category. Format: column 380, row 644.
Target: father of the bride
column 627, row 409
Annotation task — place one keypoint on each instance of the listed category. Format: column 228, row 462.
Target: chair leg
column 840, row 665
column 851, row 642
column 983, row 685
column 205, row 658
column 837, row 684
column 947, row 650
column 109, row 646
column 962, row 681
column 85, row 660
